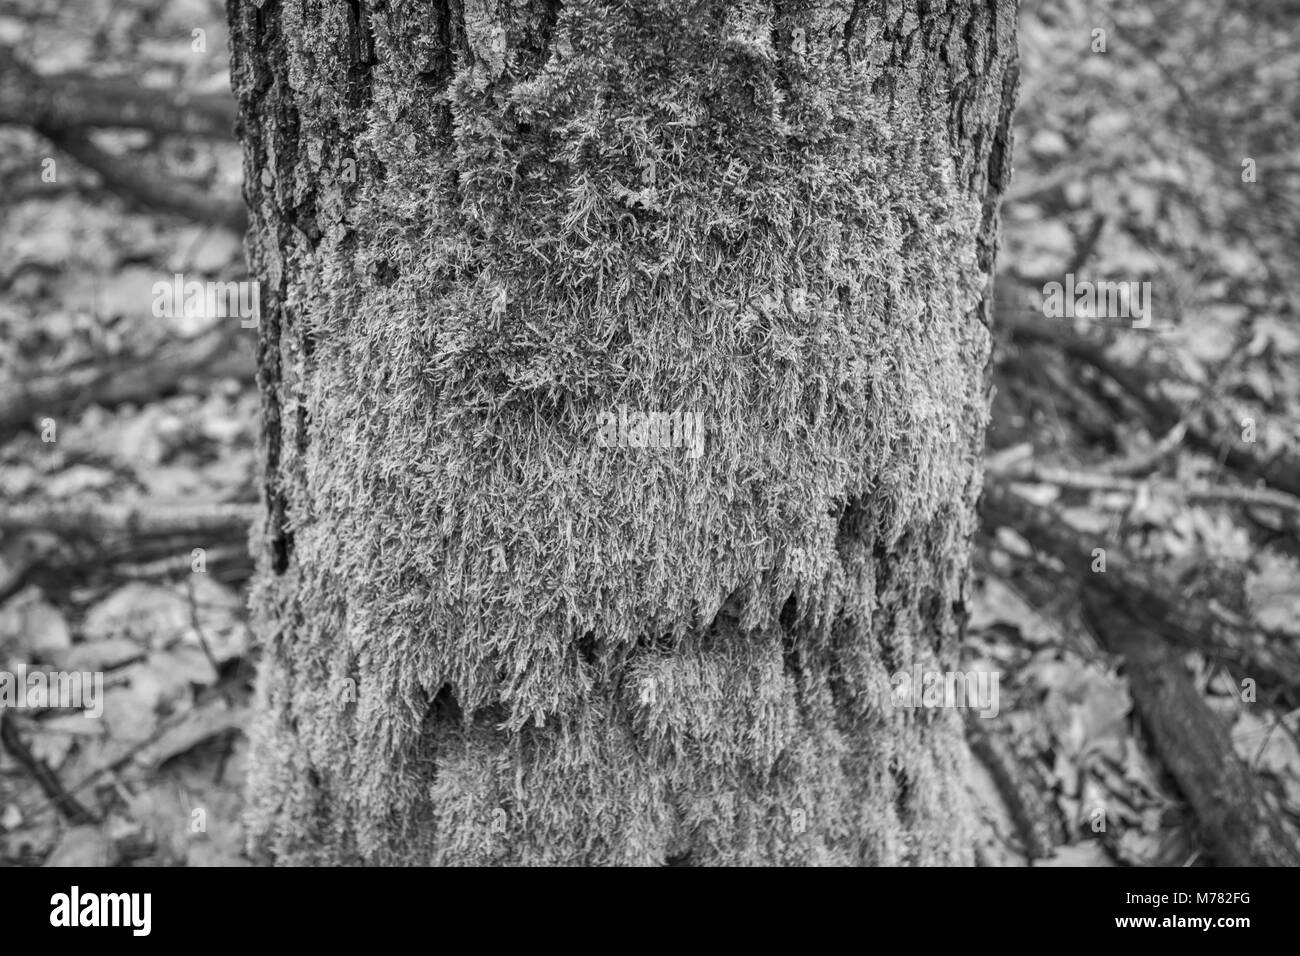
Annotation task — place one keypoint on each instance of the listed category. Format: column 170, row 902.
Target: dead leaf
column 146, row 613
column 102, row 655
column 83, row 847
column 1273, row 592
column 34, row 625
column 202, row 723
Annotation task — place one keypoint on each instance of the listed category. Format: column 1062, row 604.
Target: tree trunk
column 489, row 237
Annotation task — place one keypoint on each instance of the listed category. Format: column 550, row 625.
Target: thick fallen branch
column 61, row 108
column 150, row 189
column 1194, row 746
column 1131, row 619
column 1188, row 624
column 76, row 100
column 137, row 379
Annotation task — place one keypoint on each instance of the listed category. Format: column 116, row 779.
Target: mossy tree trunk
column 481, row 227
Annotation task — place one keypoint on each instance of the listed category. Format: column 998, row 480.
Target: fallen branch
column 1129, row 619
column 136, row 379
column 1207, row 431
column 60, row 108
column 1147, row 461
column 46, row 778
column 1195, row 747
column 148, row 188
column 1202, row 492
column 1188, row 624
column 77, row 100
column 1021, row 788
column 232, row 564
column 148, row 749
column 99, row 521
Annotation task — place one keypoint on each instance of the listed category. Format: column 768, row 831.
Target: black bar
column 1023, row 908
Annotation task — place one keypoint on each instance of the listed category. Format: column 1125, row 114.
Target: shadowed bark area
column 480, row 226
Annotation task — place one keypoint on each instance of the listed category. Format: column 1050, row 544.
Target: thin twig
column 198, row 628
column 48, row 780
column 1201, row 492
column 137, row 520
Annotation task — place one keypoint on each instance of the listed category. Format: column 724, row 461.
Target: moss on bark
column 479, row 227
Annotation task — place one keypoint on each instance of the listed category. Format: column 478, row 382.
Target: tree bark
column 485, row 636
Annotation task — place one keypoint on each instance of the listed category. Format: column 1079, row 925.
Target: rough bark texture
column 480, row 225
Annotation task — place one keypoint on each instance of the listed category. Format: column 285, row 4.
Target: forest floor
column 1171, row 157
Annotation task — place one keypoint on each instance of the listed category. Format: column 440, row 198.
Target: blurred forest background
column 1149, row 713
